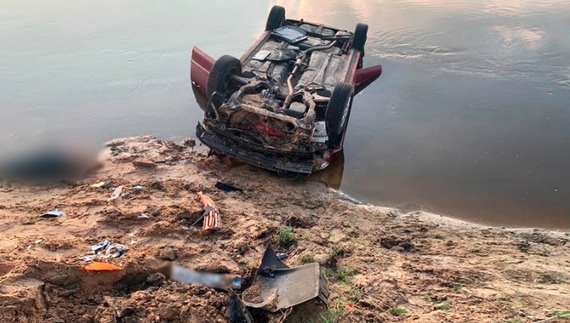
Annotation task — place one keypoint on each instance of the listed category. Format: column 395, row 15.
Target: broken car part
column 276, row 286
column 211, row 214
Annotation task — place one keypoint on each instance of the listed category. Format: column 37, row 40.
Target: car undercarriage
column 285, row 105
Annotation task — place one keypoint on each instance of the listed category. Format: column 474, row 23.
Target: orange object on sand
column 212, row 218
column 100, row 266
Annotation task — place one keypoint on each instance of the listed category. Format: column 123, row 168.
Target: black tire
column 360, row 35
column 222, row 69
column 338, row 108
column 276, row 18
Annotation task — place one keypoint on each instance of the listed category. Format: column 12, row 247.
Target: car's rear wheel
column 336, row 116
column 360, row 36
column 276, row 18
column 218, row 80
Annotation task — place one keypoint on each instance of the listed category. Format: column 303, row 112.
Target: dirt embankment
column 381, row 266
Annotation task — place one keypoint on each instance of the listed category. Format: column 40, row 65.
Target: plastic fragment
column 116, row 193
column 100, row 266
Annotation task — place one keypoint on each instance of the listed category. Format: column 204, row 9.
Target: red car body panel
column 200, row 68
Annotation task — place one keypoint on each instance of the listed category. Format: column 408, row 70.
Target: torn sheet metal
column 55, row 213
column 276, row 286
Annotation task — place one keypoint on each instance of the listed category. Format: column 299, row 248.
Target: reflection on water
column 470, row 117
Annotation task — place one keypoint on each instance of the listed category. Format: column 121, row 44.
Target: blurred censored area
column 49, row 159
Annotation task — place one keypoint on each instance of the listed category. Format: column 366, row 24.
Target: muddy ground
column 382, row 266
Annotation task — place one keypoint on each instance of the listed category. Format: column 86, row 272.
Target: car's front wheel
column 338, row 109
column 223, row 68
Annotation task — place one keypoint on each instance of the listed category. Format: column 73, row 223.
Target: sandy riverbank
column 382, row 266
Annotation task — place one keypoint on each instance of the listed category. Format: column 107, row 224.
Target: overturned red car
column 285, row 104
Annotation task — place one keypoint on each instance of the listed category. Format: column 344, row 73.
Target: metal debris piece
column 211, row 217
column 276, row 286
column 228, row 188
column 206, row 211
column 101, row 246
column 115, row 251
column 138, row 187
column 116, row 193
column 237, row 312
column 143, row 216
column 291, row 34
column 55, row 213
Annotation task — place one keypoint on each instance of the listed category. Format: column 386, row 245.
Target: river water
column 469, row 119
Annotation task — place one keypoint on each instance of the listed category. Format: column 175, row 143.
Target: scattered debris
column 37, row 242
column 55, row 213
column 143, row 216
column 105, row 250
column 101, row 184
column 228, row 188
column 100, row 266
column 211, row 214
column 276, row 286
column 116, row 193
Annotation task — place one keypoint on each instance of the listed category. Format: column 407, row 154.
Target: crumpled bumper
column 267, row 161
